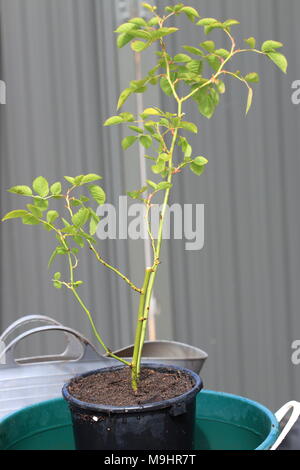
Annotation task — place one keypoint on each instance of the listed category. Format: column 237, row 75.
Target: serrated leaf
column 230, row 22
column 36, row 211
column 189, row 126
column 70, row 179
column 207, row 21
column 30, row 219
column 42, row 204
column 113, row 121
column 90, row 178
column 55, row 189
column 249, row 100
column 125, row 28
column 200, row 161
column 268, row 46
column 41, row 186
column 251, row 42
column 139, row 46
column 146, row 141
column 182, row 58
column 193, row 50
column 14, row 215
column 81, row 217
column 208, row 46
column 158, row 167
column 190, row 12
column 165, row 86
column 123, row 39
column 98, row 194
column 52, row 216
column 138, row 21
column 22, row 190
column 197, row 169
column 279, row 59
column 252, row 77
column 123, row 97
column 128, row 141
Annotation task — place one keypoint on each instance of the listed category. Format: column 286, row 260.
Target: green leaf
column 249, row 100
column 125, row 28
column 55, row 189
column 190, row 12
column 222, row 53
column 146, row 141
column 98, row 194
column 200, row 161
column 124, row 96
column 206, row 104
column 128, row 141
column 268, row 46
column 252, row 77
column 164, row 156
column 70, row 179
column 52, row 216
column 208, row 46
column 197, row 169
column 163, row 185
column 79, row 240
column 158, row 167
column 30, row 219
column 22, row 190
column 81, row 217
column 78, row 180
column 189, row 126
column 42, row 204
column 57, row 276
column 137, row 194
column 113, row 121
column 127, row 117
column 182, row 58
column 162, row 32
column 221, row 87
column 251, row 42
column 139, row 46
column 148, row 6
column 138, row 21
column 14, row 215
column 52, row 257
column 57, row 284
column 90, row 178
column 209, row 28
column 123, row 39
column 207, row 21
column 193, row 50
column 35, row 210
column 93, row 222
column 152, row 184
column 230, row 22
column 165, row 86
column 41, row 186
column 137, row 129
column 214, row 62
column 279, row 59
column 151, row 112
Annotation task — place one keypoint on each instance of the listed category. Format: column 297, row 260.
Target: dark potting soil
column 114, row 387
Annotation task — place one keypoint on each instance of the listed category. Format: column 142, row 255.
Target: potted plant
column 127, row 406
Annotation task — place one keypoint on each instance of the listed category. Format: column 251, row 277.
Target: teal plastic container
column 223, row 422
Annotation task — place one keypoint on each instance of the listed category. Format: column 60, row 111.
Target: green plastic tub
column 224, row 422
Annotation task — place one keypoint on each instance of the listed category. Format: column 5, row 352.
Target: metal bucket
column 169, row 352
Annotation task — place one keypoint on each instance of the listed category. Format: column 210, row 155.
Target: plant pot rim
column 109, row 409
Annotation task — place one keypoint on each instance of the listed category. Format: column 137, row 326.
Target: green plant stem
column 135, row 358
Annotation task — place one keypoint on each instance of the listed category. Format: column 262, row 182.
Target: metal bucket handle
column 280, row 414
column 21, row 322
column 78, row 347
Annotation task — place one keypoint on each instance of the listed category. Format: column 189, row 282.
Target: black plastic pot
column 164, row 425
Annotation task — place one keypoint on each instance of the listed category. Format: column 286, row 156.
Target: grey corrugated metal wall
column 239, row 297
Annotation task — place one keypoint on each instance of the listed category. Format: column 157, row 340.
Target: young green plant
column 195, row 73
